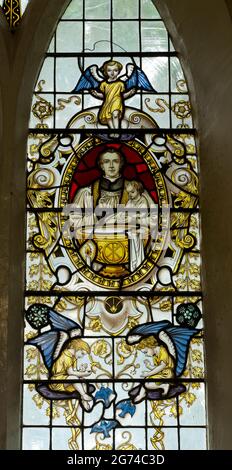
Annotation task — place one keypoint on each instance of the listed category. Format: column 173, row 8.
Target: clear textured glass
column 126, row 36
column 46, row 75
column 154, row 36
column 193, row 439
column 97, row 9
column 148, row 10
column 36, row 439
column 193, row 415
column 156, row 68
column 67, row 74
column 125, row 9
column 178, row 83
column 74, row 11
column 69, row 36
column 32, row 414
column 97, row 36
column 62, row 436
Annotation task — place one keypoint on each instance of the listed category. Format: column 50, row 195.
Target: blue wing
column 59, row 322
column 138, row 79
column 148, row 329
column 46, row 343
column 181, row 338
column 86, row 82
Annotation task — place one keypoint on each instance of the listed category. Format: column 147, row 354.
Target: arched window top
column 113, row 251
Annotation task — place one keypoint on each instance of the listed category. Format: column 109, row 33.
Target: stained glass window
column 114, row 353
column 13, row 9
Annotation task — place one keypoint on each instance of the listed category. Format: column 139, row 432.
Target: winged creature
column 126, row 407
column 106, row 395
column 106, row 84
column 168, row 347
column 105, row 427
column 50, row 343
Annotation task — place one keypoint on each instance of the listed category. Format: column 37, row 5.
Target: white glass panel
column 97, row 9
column 154, row 36
column 148, row 9
column 126, row 35
column 193, row 439
column 125, row 9
column 74, row 11
column 36, row 409
column 156, row 70
column 36, row 439
column 62, row 436
column 193, row 404
column 47, row 75
column 178, row 83
column 97, row 36
column 67, row 74
column 69, row 37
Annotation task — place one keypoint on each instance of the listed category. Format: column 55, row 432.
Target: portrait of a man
column 122, row 204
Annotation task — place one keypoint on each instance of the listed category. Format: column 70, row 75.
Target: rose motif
column 182, row 109
column 42, row 109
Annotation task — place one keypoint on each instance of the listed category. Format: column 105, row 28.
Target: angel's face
column 149, row 351
column 112, row 72
column 133, row 193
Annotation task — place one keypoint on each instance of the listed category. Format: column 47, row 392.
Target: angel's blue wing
column 59, row 322
column 181, row 338
column 86, row 82
column 148, row 329
column 46, row 343
column 138, row 79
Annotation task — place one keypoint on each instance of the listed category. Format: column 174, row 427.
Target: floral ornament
column 100, row 348
column 38, row 316
column 182, row 110
column 42, row 109
column 188, row 315
column 127, row 445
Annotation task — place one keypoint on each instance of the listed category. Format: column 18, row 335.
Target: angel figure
column 65, row 355
column 106, row 84
column 167, row 345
